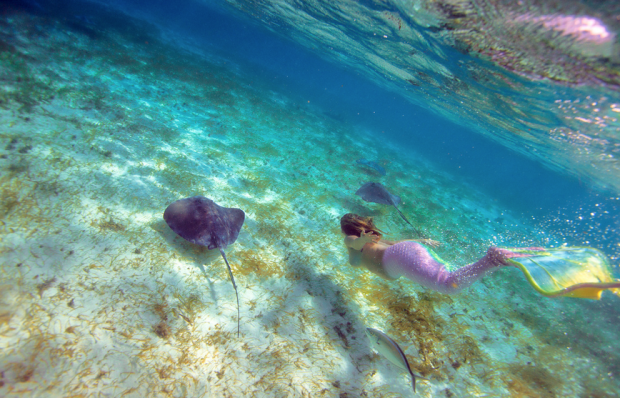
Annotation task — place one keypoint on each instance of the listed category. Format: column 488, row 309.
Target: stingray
column 203, row 222
column 372, row 165
column 377, row 193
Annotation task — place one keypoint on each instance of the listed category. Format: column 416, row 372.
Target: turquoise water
column 112, row 111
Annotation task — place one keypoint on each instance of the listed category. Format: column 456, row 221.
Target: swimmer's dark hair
column 352, row 224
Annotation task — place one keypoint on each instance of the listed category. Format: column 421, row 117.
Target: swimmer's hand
column 358, row 242
column 368, row 237
column 430, row 242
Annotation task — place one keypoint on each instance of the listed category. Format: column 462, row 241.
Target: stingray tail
column 413, row 379
column 413, row 382
column 234, row 285
column 417, row 231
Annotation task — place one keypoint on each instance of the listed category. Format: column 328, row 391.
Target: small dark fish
column 372, row 165
column 389, row 349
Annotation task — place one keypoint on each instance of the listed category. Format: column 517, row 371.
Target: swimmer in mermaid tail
column 581, row 272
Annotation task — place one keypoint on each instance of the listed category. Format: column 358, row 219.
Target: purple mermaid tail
column 416, row 262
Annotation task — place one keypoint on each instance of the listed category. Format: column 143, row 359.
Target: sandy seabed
column 99, row 132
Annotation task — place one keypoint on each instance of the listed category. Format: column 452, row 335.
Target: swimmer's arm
column 358, row 242
column 355, row 257
column 378, row 270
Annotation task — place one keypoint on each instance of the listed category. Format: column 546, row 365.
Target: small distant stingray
column 371, row 164
column 202, row 222
column 377, row 193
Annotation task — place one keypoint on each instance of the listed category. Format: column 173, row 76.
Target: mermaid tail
column 420, row 264
column 581, row 272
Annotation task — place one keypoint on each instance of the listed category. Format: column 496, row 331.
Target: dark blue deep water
column 519, row 182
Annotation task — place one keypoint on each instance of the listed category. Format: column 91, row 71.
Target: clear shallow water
column 107, row 119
